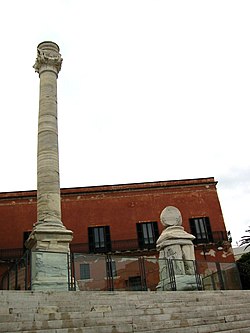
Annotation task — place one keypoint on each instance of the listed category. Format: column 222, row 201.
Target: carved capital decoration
column 49, row 59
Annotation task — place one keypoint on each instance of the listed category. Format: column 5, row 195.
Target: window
column 134, row 283
column 201, row 229
column 99, row 239
column 84, row 271
column 148, row 234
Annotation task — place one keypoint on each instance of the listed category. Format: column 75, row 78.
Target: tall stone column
column 49, row 240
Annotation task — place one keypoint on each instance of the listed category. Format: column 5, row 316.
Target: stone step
column 134, row 307
column 136, row 310
column 8, row 295
column 166, row 300
column 234, row 327
column 67, row 326
column 160, row 297
column 201, row 323
column 212, row 328
column 100, row 317
column 237, row 330
column 140, row 323
column 104, row 312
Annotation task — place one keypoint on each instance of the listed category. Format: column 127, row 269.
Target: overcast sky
column 148, row 91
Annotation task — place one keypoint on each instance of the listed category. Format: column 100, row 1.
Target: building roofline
column 115, row 188
column 139, row 186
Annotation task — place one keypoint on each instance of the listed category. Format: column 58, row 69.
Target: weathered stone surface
column 101, row 308
column 49, row 271
column 171, row 216
column 47, row 309
column 175, row 244
column 174, row 235
column 147, row 312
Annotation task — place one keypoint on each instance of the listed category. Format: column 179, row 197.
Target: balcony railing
column 116, row 246
column 215, row 237
column 11, row 254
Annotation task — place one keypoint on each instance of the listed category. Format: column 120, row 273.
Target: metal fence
column 18, row 276
column 116, row 272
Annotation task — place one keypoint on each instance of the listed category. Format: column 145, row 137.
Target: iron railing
column 117, row 272
column 11, row 254
column 116, row 246
column 18, row 276
column 214, row 238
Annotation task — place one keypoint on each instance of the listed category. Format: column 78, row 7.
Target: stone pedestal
column 49, row 259
column 175, row 271
column 176, row 258
column 49, row 240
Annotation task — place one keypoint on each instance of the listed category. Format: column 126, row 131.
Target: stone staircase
column 123, row 312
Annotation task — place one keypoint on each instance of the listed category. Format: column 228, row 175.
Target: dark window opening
column 134, row 283
column 201, row 229
column 84, row 271
column 99, row 239
column 148, row 234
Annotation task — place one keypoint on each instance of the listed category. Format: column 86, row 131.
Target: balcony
column 116, row 246
column 215, row 237
column 9, row 255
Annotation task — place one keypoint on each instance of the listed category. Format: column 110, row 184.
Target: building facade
column 122, row 218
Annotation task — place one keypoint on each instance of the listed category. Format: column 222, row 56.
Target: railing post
column 171, row 274
column 26, row 263
column 72, row 272
column 197, row 276
column 8, row 281
column 142, row 273
column 110, row 278
column 220, row 276
column 213, row 282
column 69, row 271
column 16, row 274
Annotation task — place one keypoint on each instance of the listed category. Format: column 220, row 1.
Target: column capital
column 48, row 58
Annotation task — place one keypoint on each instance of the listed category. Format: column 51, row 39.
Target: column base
column 49, row 258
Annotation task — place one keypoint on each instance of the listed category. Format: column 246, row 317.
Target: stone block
column 47, row 309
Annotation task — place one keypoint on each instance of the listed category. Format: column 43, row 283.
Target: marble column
column 49, row 240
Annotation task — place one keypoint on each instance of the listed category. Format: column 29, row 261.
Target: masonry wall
column 120, row 207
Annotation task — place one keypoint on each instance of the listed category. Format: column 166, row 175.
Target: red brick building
column 117, row 218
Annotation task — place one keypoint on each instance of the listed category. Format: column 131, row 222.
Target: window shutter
column 209, row 230
column 140, row 235
column 107, row 238
column 156, row 231
column 91, row 239
column 192, row 227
